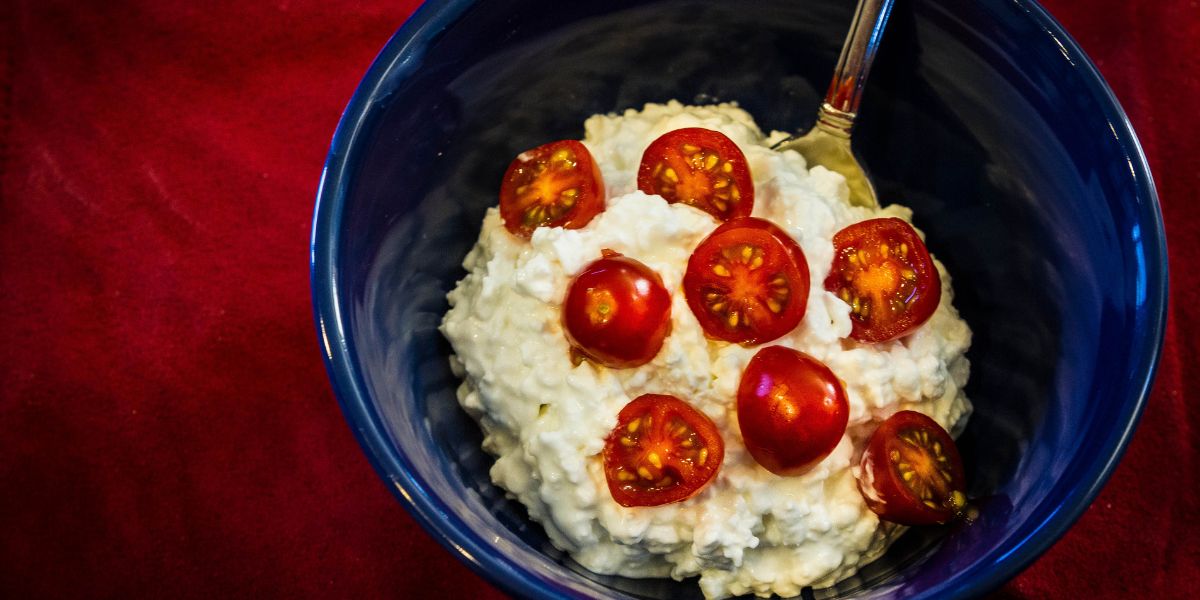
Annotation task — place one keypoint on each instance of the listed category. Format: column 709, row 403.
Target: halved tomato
column 883, row 271
column 661, row 451
column 554, row 185
column 699, row 167
column 911, row 472
column 747, row 282
column 617, row 312
column 792, row 410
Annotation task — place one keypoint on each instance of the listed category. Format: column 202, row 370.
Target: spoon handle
column 837, row 113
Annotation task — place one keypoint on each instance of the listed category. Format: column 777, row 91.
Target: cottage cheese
column 546, row 420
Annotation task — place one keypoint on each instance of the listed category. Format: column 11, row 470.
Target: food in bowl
column 739, row 439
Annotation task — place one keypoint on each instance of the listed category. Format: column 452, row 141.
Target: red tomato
column 911, row 472
column 661, row 451
column 792, row 410
column 701, row 168
column 617, row 312
column 747, row 282
column 883, row 271
column 555, row 185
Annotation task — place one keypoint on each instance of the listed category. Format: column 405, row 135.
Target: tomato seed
column 655, row 460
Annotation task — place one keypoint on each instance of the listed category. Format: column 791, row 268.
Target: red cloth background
column 166, row 427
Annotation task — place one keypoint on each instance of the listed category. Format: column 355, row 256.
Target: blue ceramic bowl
column 982, row 115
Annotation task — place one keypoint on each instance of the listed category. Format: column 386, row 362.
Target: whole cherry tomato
column 661, row 451
column 883, row 271
column 792, row 410
column 554, row 185
column 911, row 472
column 699, row 167
column 617, row 312
column 747, row 282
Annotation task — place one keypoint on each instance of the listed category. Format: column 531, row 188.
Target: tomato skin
column 554, row 185
column 661, row 451
column 897, row 291
column 909, row 438
column 701, row 168
column 792, row 410
column 617, row 312
column 764, row 302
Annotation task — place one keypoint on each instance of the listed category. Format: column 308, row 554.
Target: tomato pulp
column 554, row 185
column 911, row 472
column 701, row 168
column 747, row 282
column 661, row 451
column 882, row 269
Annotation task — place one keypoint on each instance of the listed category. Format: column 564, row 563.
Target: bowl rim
column 401, row 55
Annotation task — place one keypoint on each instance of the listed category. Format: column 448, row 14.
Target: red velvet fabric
column 166, row 427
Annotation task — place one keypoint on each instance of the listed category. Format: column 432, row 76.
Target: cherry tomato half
column 699, row 167
column 911, row 472
column 661, row 451
column 883, row 271
column 617, row 312
column 747, row 282
column 554, row 185
column 792, row 410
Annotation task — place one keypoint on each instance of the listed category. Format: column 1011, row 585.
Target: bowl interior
column 989, row 124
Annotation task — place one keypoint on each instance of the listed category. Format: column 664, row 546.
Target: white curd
column 546, row 420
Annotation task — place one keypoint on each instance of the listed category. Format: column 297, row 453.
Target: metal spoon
column 828, row 142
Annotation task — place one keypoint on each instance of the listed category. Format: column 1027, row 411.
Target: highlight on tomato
column 661, row 451
column 792, row 410
column 701, row 168
column 882, row 269
column 617, row 312
column 554, row 185
column 747, row 282
column 911, row 472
